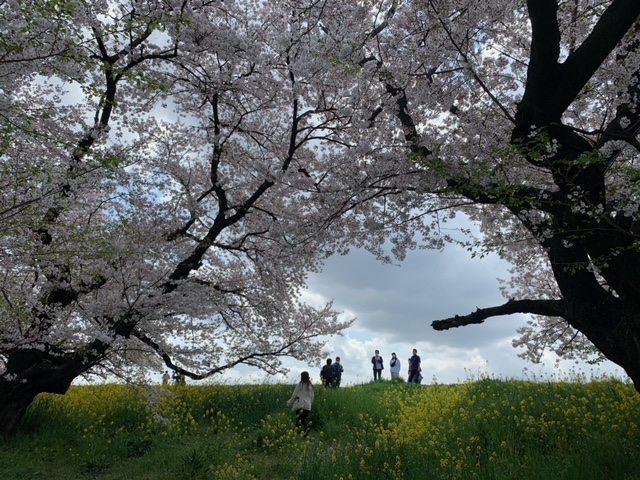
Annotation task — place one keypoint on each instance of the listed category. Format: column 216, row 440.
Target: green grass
column 483, row 429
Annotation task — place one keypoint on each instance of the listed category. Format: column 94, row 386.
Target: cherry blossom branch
column 475, row 76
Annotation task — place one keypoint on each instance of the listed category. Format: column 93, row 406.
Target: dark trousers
column 303, row 419
column 413, row 376
column 377, row 374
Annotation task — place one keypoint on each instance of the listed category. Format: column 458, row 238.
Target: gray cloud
column 395, row 305
column 402, row 300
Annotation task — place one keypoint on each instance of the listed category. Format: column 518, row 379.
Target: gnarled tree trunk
column 30, row 373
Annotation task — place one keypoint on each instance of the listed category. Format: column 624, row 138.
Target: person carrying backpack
column 337, row 372
column 326, row 374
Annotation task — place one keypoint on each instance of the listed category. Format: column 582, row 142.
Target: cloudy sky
column 394, row 306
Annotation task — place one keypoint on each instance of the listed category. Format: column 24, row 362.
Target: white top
column 304, row 393
column 394, row 368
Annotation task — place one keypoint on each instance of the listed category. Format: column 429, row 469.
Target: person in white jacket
column 301, row 400
column 394, row 367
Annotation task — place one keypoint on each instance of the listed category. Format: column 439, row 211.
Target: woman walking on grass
column 302, row 399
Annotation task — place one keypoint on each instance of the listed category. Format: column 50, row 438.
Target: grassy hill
column 483, row 429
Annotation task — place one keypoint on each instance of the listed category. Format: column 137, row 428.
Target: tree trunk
column 608, row 317
column 17, row 395
column 30, row 373
column 618, row 338
column 12, row 411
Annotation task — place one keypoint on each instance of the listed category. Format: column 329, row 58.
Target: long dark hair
column 306, row 379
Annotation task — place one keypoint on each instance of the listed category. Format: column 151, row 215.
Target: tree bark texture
column 32, row 372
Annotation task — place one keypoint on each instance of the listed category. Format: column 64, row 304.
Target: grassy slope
column 489, row 429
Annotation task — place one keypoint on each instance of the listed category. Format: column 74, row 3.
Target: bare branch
column 550, row 308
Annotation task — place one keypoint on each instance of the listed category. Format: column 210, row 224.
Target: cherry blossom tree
column 524, row 115
column 170, row 175
column 172, row 170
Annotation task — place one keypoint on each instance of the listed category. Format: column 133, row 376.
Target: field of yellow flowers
column 481, row 429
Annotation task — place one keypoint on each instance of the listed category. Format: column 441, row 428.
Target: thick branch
column 543, row 65
column 548, row 308
column 539, row 107
column 515, row 197
column 579, row 67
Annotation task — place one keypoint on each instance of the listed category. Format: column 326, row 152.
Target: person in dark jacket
column 415, row 375
column 378, row 365
column 327, row 375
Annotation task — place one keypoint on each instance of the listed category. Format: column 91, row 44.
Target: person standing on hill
column 414, row 368
column 179, row 378
column 166, row 377
column 327, row 374
column 337, row 372
column 378, row 365
column 394, row 365
column 301, row 401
